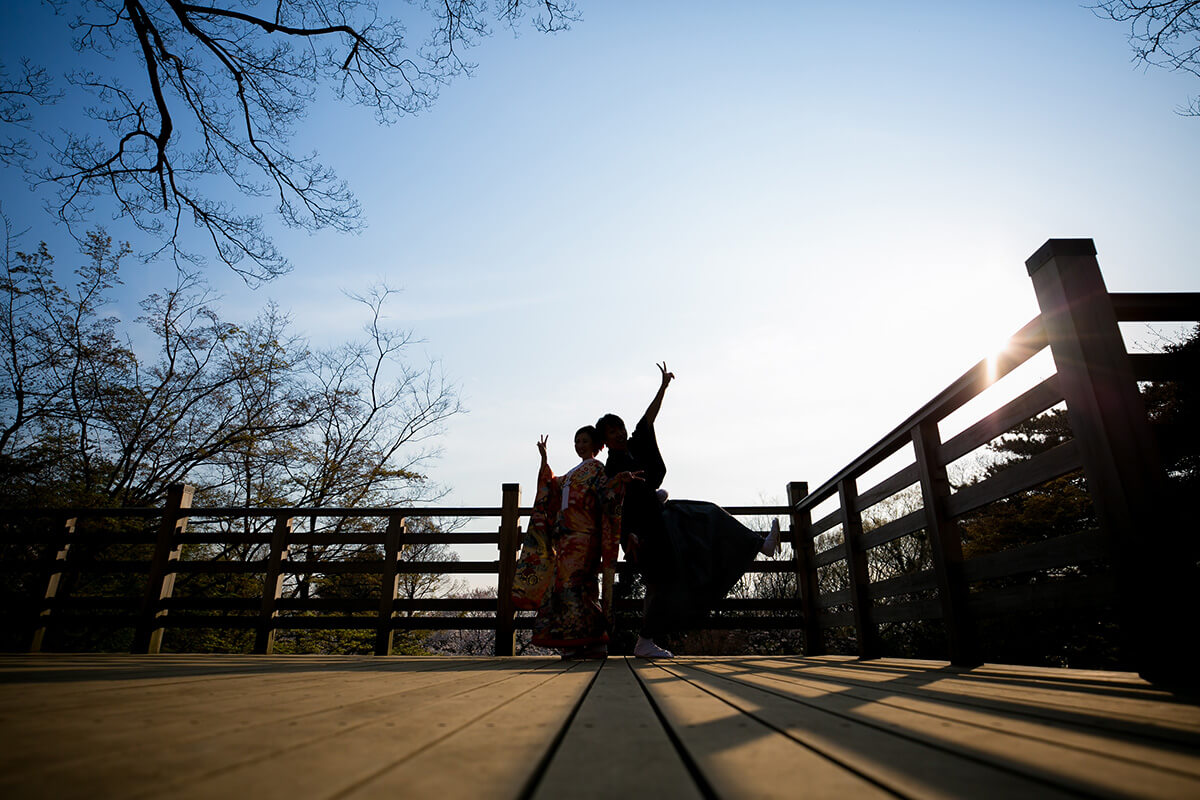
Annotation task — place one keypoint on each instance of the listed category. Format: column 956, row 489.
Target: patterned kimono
column 578, row 519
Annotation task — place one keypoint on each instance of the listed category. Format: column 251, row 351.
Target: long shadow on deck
column 1050, row 704
column 887, row 715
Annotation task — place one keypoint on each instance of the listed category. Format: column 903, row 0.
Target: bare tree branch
column 196, row 91
column 1163, row 34
column 248, row 413
column 32, row 85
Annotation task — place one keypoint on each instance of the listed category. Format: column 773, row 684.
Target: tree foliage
column 250, row 413
column 1172, row 405
column 481, row 641
column 1164, row 34
column 96, row 413
column 176, row 94
column 1056, row 634
column 1057, row 507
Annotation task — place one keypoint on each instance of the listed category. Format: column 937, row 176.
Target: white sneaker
column 646, row 648
column 771, row 545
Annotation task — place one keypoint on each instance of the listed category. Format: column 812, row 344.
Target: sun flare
column 993, row 360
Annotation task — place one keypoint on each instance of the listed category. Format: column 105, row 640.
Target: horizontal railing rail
column 279, row 554
column 1111, row 447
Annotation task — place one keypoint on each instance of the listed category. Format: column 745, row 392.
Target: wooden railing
column 164, row 534
column 1113, row 445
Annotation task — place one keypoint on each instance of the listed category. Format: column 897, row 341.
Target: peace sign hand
column 667, row 377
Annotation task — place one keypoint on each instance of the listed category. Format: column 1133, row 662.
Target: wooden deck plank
column 99, row 735
column 905, row 766
column 1119, row 704
column 75, row 726
column 616, row 747
column 1102, row 683
column 1043, row 758
column 126, row 679
column 1054, row 728
column 123, row 699
column 287, row 692
column 740, row 757
column 160, row 762
column 345, row 759
column 494, row 755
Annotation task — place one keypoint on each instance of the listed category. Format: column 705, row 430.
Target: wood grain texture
column 616, row 747
column 136, row 726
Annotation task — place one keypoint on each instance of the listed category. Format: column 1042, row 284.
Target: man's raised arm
column 656, row 404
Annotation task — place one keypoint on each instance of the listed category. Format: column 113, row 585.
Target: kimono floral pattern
column 573, row 530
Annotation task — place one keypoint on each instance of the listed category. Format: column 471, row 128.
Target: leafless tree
column 248, row 413
column 481, row 641
column 31, row 86
column 1165, row 34
column 187, row 92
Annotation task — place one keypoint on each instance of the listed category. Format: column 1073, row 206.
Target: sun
column 993, row 360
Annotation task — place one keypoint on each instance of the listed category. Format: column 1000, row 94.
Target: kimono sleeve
column 545, row 505
column 611, row 496
column 535, row 564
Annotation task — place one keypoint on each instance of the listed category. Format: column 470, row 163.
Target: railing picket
column 945, row 545
column 161, row 582
column 806, row 569
column 56, row 560
column 268, row 615
column 856, row 564
column 389, row 582
column 509, row 534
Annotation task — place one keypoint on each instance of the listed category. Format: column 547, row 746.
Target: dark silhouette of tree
column 1172, row 405
column 249, row 414
column 192, row 100
column 480, row 641
column 31, row 86
column 1165, row 34
column 1057, row 507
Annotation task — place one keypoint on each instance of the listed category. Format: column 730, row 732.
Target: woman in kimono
column 578, row 514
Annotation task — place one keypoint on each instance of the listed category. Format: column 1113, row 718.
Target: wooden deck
column 347, row 727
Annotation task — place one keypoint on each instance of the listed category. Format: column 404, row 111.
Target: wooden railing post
column 1121, row 465
column 806, row 569
column 304, row 582
column 56, row 559
column 264, row 638
column 945, row 545
column 856, row 563
column 389, row 582
column 161, row 583
column 509, row 533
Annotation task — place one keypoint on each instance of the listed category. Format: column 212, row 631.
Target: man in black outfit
column 690, row 552
column 643, row 534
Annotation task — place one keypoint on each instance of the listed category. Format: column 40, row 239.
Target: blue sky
column 817, row 214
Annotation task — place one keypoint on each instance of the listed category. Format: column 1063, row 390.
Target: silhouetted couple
column 689, row 553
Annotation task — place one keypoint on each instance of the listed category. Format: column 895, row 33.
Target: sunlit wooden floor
column 323, row 727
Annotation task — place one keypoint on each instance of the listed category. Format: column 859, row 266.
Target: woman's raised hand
column 542, row 446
